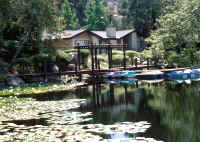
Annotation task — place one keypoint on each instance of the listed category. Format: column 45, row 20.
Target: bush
column 63, row 55
column 117, row 52
column 132, row 54
column 84, row 52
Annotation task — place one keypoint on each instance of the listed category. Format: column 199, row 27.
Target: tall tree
column 177, row 34
column 96, row 17
column 80, row 6
column 70, row 20
column 140, row 14
column 27, row 21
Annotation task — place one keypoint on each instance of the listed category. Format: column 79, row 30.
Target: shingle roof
column 67, row 34
column 119, row 34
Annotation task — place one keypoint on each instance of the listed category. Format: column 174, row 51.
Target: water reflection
column 171, row 108
column 111, row 103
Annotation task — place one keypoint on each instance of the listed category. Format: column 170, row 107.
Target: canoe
column 154, row 75
column 184, row 76
column 120, row 74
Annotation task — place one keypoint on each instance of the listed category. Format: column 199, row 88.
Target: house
column 70, row 38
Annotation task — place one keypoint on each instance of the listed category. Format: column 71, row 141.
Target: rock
column 14, row 81
column 54, row 68
column 71, row 67
column 72, row 58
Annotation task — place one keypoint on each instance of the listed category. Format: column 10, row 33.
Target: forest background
column 170, row 28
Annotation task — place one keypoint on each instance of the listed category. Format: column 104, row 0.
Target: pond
column 172, row 109
column 133, row 111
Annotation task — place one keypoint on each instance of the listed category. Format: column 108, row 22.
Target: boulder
column 55, row 68
column 72, row 58
column 14, row 81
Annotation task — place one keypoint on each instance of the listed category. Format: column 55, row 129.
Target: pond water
column 172, row 109
column 133, row 111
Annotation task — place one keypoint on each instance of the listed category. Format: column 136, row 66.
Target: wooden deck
column 142, row 69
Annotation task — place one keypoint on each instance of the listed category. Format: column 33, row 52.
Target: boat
column 153, row 75
column 122, row 74
column 187, row 76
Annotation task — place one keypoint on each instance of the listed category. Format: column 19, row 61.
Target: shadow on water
column 29, row 122
column 171, row 108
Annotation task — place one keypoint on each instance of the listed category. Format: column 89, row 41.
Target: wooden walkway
column 140, row 69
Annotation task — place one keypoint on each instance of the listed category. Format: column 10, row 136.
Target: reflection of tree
column 179, row 106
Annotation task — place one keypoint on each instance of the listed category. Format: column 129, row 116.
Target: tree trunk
column 26, row 39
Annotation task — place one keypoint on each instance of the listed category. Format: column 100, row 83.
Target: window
column 81, row 42
column 119, row 41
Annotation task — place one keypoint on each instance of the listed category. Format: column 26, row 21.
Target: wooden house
column 69, row 38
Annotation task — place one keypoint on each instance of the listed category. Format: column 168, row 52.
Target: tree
column 140, row 14
column 80, row 6
column 96, row 17
column 177, row 34
column 23, row 24
column 70, row 20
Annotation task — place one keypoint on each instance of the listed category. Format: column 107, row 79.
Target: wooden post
column 132, row 61
column 99, row 67
column 110, row 57
column 124, row 53
column 95, row 54
column 76, row 68
column 136, row 63
column 92, row 58
column 148, row 63
column 108, row 50
column 45, row 71
column 79, row 60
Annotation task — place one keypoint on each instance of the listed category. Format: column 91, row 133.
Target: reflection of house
column 68, row 39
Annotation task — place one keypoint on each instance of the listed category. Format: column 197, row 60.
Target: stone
column 14, row 81
column 55, row 68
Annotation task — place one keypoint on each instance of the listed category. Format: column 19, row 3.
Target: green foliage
column 80, row 6
column 140, row 14
column 69, row 18
column 117, row 52
column 70, row 51
column 36, row 88
column 63, row 55
column 132, row 54
column 84, row 53
column 96, row 18
column 22, row 24
column 178, row 32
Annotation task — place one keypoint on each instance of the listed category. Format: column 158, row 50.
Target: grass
column 37, row 88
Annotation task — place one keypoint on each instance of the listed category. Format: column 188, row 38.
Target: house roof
column 119, row 34
column 67, row 34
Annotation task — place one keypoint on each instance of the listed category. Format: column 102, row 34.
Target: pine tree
column 69, row 18
column 141, row 14
column 96, row 18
